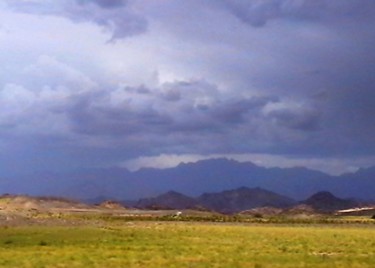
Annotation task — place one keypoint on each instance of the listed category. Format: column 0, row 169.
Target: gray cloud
column 115, row 16
column 258, row 12
column 199, row 108
column 240, row 110
column 304, row 120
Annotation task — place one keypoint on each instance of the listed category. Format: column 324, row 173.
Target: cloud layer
column 284, row 78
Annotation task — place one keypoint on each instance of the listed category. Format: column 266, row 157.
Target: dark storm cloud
column 240, row 110
column 259, row 12
column 134, row 119
column 301, row 118
column 280, row 77
column 322, row 68
column 115, row 16
column 104, row 119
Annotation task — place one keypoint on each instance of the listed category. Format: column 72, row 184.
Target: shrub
column 8, row 242
column 42, row 243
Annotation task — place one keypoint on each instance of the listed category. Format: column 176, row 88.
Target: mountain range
column 244, row 199
column 192, row 179
column 229, row 201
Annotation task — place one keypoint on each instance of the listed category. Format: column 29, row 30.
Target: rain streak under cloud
column 131, row 83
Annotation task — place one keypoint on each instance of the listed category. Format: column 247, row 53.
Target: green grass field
column 177, row 244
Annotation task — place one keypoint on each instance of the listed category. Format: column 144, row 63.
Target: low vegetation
column 57, row 233
column 181, row 244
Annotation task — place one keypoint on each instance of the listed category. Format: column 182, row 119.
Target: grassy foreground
column 166, row 244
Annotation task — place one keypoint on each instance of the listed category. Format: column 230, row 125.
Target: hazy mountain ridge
column 193, row 179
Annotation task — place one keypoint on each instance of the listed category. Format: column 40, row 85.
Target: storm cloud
column 258, row 12
column 115, row 16
column 290, row 79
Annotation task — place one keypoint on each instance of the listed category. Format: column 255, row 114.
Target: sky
column 135, row 83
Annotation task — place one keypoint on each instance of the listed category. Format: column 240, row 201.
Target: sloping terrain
column 10, row 202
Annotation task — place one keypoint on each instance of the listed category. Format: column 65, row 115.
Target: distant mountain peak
column 323, row 195
column 326, row 201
